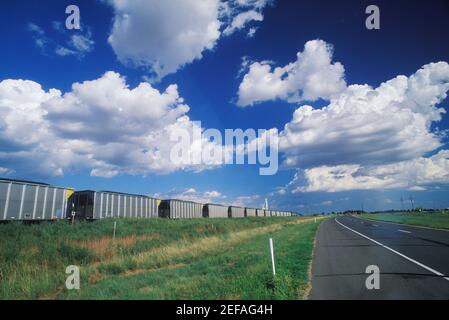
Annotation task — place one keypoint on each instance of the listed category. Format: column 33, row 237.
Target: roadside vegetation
column 437, row 219
column 158, row 259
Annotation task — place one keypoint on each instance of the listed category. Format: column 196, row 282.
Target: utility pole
column 402, row 203
column 411, row 201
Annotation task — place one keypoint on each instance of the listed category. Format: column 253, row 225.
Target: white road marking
column 375, row 225
column 405, row 231
column 407, row 225
column 394, row 251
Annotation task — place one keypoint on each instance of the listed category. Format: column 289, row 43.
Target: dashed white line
column 405, row 231
column 396, row 252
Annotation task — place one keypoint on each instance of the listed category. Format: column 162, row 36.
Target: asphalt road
column 413, row 261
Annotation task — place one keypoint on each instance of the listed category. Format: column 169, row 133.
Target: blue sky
column 335, row 171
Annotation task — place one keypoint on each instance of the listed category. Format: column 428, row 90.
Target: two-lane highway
column 413, row 261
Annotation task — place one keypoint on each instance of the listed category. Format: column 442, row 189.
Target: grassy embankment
column 438, row 220
column 158, row 259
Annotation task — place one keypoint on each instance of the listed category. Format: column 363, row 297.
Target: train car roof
column 117, row 192
column 24, row 181
column 216, row 204
column 182, row 201
column 35, row 183
column 126, row 193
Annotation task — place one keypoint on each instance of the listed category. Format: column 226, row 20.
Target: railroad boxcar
column 180, row 209
column 236, row 212
column 90, row 204
column 279, row 213
column 27, row 200
column 260, row 212
column 215, row 211
column 250, row 212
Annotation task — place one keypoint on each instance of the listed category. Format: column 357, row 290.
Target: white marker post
column 73, row 212
column 272, row 256
column 115, row 227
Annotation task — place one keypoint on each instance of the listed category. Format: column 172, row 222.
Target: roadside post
column 72, row 213
column 272, row 256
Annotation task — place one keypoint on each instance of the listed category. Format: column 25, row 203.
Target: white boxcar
column 250, row 212
column 180, row 209
column 215, row 211
column 279, row 213
column 236, row 212
column 25, row 200
column 107, row 204
column 269, row 213
column 260, row 212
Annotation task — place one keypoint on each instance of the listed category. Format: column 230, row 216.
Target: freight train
column 27, row 200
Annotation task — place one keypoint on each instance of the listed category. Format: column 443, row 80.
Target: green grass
column 158, row 259
column 438, row 220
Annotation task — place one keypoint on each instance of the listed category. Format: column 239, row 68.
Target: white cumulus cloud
column 101, row 125
column 413, row 174
column 241, row 20
column 366, row 137
column 366, row 125
column 163, row 36
column 310, row 77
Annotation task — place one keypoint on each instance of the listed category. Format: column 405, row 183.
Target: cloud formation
column 101, row 125
column 163, row 36
column 248, row 201
column 365, row 138
column 241, row 20
column 312, row 76
column 413, row 174
column 367, row 126
column 79, row 44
